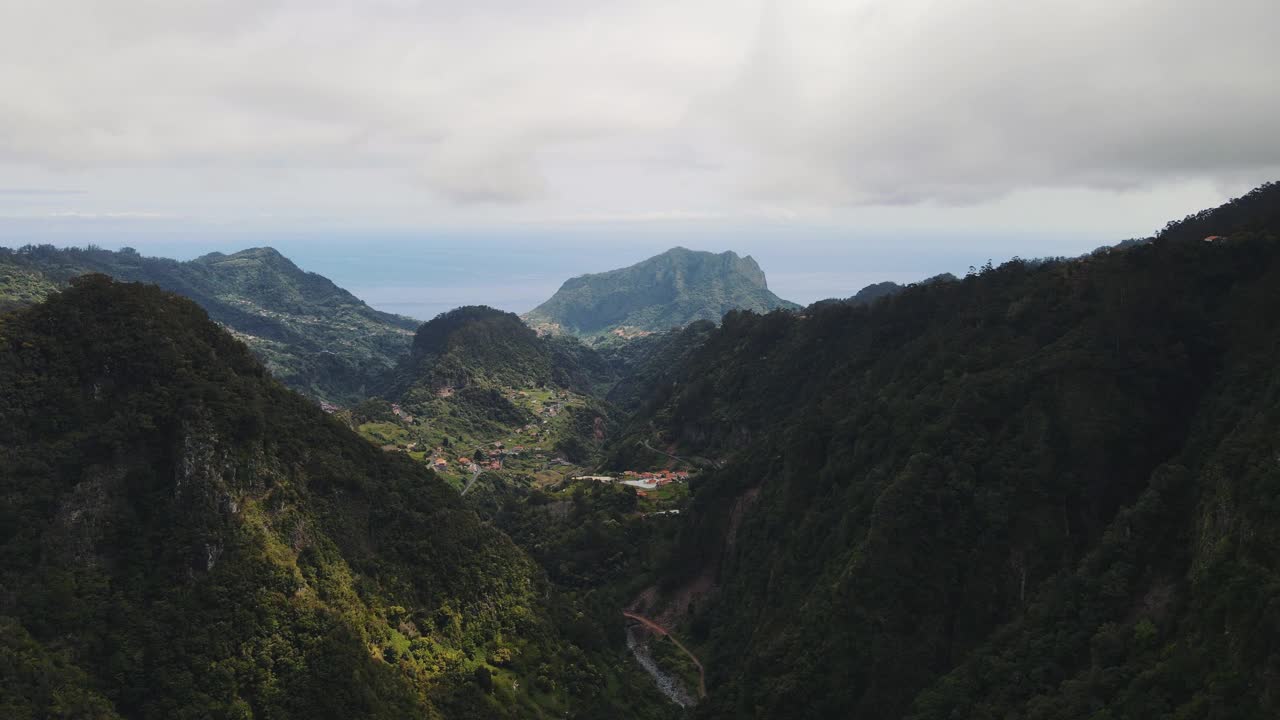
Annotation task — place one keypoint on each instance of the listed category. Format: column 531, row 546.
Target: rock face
column 673, row 289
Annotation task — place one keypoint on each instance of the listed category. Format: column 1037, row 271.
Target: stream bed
column 670, row 686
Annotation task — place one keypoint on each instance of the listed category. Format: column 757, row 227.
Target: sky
column 494, row 148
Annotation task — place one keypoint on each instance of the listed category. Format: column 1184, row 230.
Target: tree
column 483, row 678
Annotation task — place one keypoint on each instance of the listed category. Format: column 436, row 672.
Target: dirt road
column 655, row 627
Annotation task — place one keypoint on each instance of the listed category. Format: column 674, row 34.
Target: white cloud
column 415, row 109
column 962, row 100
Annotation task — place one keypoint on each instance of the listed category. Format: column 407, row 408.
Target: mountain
column 478, row 344
column 645, row 365
column 312, row 334
column 871, row 293
column 183, row 537
column 478, row 379
column 669, row 290
column 1044, row 491
column 875, row 291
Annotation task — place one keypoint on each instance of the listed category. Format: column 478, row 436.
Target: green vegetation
column 311, row 334
column 875, row 291
column 1044, row 491
column 674, row 662
column 669, row 290
column 479, row 384
column 37, row 683
column 475, row 343
column 478, row 345
column 1047, row 490
column 665, row 497
column 183, row 537
column 646, row 364
column 21, row 286
column 587, row 535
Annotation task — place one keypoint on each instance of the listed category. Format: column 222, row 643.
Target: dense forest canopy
column 182, row 536
column 1046, row 490
column 313, row 335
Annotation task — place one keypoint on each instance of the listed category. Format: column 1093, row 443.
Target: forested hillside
column 477, row 345
column 479, row 386
column 666, row 291
column 644, row 365
column 1046, row 490
column 311, row 334
column 183, row 537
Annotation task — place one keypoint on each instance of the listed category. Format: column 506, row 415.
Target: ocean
column 423, row 274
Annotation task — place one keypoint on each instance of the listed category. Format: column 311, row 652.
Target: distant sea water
column 423, row 275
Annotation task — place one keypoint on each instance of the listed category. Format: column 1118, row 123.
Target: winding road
column 655, row 627
column 475, row 474
column 691, row 460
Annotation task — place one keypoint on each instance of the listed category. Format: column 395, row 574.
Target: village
column 451, row 448
column 527, row 450
column 644, row 481
column 493, row 457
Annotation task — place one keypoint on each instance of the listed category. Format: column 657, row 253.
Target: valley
column 1043, row 490
column 676, row 360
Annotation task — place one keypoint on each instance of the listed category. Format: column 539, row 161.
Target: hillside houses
column 400, row 413
column 644, row 480
column 657, row 477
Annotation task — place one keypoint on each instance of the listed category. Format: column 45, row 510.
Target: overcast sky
column 190, row 118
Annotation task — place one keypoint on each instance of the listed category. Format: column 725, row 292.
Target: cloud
column 462, row 101
column 617, row 108
column 963, row 100
column 37, row 192
column 109, row 215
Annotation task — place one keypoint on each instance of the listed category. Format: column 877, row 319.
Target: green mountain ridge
column 1044, row 491
column 477, row 343
column 476, row 379
column 183, row 537
column 673, row 289
column 312, row 334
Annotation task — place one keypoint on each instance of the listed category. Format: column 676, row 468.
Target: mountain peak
column 672, row 289
column 436, row 335
column 680, row 250
column 474, row 343
column 266, row 252
column 267, row 256
column 312, row 334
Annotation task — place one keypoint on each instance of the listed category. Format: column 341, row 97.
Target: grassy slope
column 478, row 376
